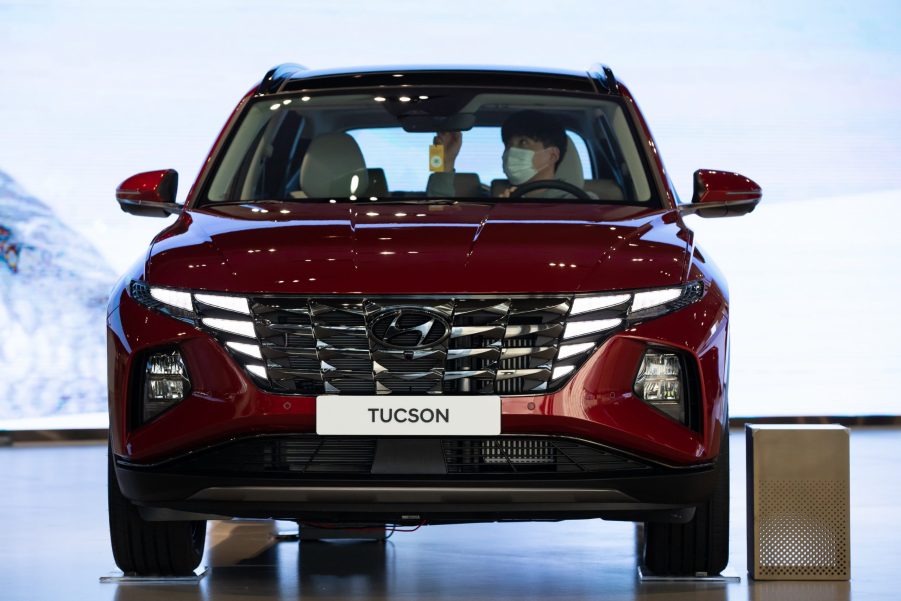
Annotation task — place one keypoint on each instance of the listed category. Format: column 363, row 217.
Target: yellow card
column 436, row 157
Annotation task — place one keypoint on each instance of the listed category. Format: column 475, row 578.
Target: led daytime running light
column 173, row 298
column 581, row 328
column 584, row 304
column 234, row 326
column 248, row 349
column 568, row 350
column 237, row 304
column 258, row 370
column 654, row 298
column 561, row 371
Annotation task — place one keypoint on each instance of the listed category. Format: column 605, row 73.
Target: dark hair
column 538, row 126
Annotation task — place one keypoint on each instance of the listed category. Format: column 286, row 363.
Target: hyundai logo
column 409, row 328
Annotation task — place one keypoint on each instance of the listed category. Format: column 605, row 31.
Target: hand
column 452, row 141
column 507, row 192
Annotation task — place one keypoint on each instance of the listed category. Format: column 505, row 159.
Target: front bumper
column 410, row 480
column 597, row 404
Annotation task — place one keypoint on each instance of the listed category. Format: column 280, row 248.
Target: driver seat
column 569, row 170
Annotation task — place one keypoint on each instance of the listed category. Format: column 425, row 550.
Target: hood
column 414, row 248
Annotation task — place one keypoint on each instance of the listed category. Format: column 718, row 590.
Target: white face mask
column 518, row 165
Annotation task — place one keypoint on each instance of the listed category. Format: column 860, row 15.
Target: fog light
column 165, row 383
column 659, row 383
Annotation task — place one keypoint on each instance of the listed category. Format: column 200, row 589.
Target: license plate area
column 413, row 415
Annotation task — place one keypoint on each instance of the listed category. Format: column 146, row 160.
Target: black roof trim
column 293, row 78
column 603, row 75
column 276, row 77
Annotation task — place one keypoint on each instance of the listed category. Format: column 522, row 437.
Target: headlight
column 175, row 303
column 594, row 318
column 660, row 383
column 654, row 303
column 166, row 383
column 226, row 317
column 173, row 298
column 238, row 304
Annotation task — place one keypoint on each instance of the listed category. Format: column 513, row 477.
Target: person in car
column 534, row 145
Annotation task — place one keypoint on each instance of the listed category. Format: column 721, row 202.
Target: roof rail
column 603, row 75
column 277, row 76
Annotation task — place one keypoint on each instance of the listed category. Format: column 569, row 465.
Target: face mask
column 518, row 165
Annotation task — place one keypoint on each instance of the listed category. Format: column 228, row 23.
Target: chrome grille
column 329, row 345
column 371, row 345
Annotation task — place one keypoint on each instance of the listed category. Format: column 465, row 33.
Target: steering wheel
column 551, row 183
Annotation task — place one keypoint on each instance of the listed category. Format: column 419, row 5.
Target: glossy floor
column 55, row 546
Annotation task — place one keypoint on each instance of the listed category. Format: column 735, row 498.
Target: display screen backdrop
column 802, row 97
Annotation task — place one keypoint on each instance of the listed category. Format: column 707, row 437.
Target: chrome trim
column 458, row 353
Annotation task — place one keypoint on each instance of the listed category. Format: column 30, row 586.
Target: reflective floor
column 55, row 546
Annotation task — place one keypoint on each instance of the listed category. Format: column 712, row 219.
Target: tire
column 145, row 548
column 701, row 545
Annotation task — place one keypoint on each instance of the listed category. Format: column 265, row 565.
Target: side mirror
column 151, row 194
column 722, row 194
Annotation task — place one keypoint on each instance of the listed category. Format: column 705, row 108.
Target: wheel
column 701, row 545
column 150, row 548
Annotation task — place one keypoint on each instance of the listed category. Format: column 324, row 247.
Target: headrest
column 333, row 167
column 570, row 168
column 378, row 184
column 468, row 185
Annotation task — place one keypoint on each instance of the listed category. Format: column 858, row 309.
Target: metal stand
column 799, row 502
column 121, row 578
column 727, row 575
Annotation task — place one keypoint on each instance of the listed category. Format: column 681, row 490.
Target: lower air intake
column 295, row 455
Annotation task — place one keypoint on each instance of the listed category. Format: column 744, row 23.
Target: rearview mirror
column 722, row 194
column 436, row 123
column 151, row 194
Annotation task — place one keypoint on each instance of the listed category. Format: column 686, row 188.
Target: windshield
column 413, row 143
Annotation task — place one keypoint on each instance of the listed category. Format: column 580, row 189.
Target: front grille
column 468, row 344
column 486, row 345
column 289, row 455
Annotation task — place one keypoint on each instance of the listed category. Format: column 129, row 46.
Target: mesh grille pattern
column 802, row 528
column 530, row 455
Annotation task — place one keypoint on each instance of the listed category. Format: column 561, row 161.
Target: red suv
column 412, row 295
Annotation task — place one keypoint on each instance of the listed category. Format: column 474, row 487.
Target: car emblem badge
column 409, row 329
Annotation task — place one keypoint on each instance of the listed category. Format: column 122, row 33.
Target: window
column 404, row 159
column 345, row 139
